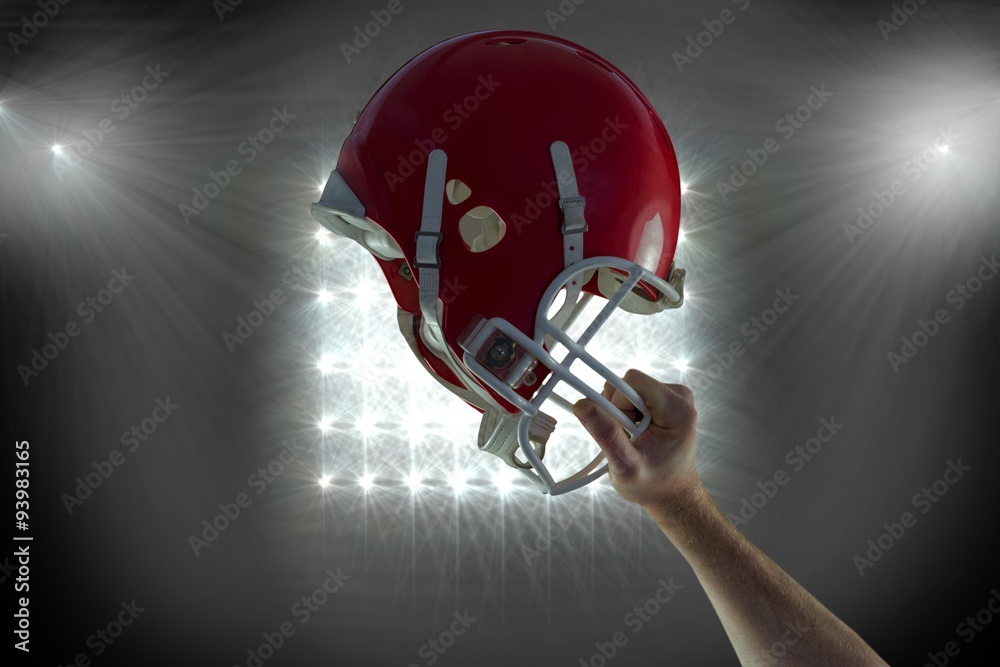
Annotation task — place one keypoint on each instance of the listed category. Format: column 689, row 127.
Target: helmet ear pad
column 643, row 299
column 340, row 211
column 366, row 233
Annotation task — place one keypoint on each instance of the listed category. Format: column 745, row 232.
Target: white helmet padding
column 340, row 211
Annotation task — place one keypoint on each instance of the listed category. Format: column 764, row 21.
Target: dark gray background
column 416, row 558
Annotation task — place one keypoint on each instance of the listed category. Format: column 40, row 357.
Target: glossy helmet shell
column 495, row 102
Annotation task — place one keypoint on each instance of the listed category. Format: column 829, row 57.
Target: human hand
column 658, row 469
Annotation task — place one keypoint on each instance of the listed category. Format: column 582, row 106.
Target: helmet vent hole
column 481, row 228
column 505, row 42
column 457, row 191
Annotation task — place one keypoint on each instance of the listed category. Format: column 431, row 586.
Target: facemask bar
column 488, row 334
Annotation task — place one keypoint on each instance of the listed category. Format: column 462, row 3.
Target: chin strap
column 426, row 260
column 498, row 430
column 498, row 435
column 405, row 320
column 572, row 205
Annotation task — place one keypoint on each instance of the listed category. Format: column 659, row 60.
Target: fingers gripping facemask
column 502, row 357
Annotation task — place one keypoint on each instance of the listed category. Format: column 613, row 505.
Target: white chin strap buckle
column 504, row 358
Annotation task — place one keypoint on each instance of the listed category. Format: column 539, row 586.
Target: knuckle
column 689, row 415
column 605, row 434
column 624, row 474
column 633, row 374
column 683, row 391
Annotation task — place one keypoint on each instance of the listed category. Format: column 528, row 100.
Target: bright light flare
column 367, row 481
column 367, row 425
column 325, row 364
column 943, row 148
column 324, row 296
column 504, row 479
column 324, row 481
column 325, row 424
column 414, row 480
column 365, row 294
column 323, row 235
column 684, row 187
column 681, row 364
column 57, row 149
column 459, row 480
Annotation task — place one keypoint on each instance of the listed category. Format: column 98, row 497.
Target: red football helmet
column 467, row 176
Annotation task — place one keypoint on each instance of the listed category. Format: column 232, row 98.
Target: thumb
column 608, row 434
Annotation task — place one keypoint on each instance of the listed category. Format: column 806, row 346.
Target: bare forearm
column 769, row 617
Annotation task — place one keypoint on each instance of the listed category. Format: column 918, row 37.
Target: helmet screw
column 500, row 353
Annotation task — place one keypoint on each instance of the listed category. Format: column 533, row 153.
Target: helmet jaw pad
column 340, row 211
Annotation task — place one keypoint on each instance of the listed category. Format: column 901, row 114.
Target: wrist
column 670, row 509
